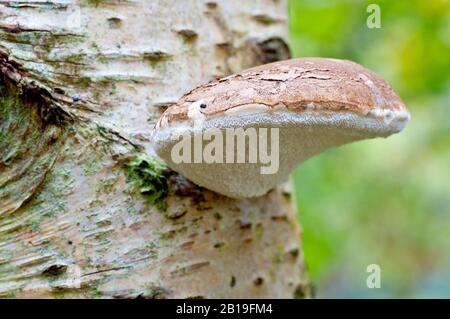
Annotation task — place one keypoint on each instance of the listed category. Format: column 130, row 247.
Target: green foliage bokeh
column 383, row 201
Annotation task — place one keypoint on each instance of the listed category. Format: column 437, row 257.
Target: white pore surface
column 302, row 135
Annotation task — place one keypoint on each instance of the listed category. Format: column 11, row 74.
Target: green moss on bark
column 148, row 175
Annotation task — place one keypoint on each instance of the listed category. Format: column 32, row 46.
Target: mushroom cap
column 316, row 103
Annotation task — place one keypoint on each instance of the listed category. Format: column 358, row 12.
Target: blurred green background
column 384, row 201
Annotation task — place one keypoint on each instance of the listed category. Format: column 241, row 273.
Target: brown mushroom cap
column 317, row 103
column 335, row 85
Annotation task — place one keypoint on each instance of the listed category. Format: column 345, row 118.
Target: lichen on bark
column 28, row 146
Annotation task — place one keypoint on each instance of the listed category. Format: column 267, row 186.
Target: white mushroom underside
column 301, row 136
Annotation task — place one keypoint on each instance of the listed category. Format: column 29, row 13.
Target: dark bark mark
column 219, row 245
column 233, row 281
column 105, row 270
column 272, row 50
column 211, row 5
column 114, row 23
column 156, row 56
column 266, row 19
column 155, row 292
column 258, row 281
column 196, row 297
column 294, row 253
column 188, row 34
column 55, row 270
column 244, row 225
column 152, row 292
column 189, row 269
column 303, row 291
column 279, row 218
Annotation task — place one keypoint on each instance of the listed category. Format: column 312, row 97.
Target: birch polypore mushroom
column 244, row 134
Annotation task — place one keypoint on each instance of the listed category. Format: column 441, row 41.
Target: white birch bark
column 85, row 82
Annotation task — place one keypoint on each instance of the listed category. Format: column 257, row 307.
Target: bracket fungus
column 313, row 103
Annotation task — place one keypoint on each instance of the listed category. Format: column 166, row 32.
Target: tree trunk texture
column 86, row 210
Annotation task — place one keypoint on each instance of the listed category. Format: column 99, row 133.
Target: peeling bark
column 84, row 82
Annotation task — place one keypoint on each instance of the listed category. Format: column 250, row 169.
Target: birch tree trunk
column 86, row 210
